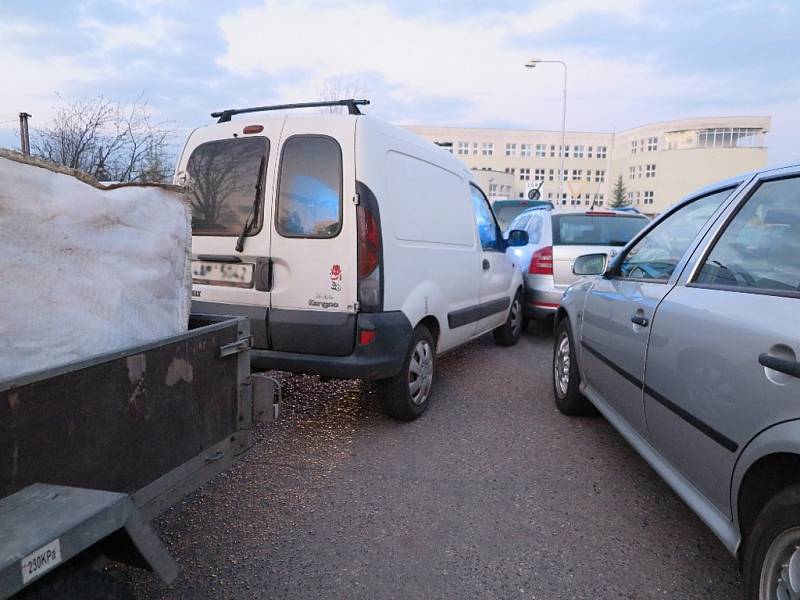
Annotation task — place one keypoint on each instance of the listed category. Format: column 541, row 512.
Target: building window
column 566, row 151
column 463, row 147
column 649, row 172
column 588, row 174
column 577, row 152
column 550, row 175
column 634, row 146
column 599, row 199
column 652, row 144
column 589, row 152
column 599, row 176
column 524, row 174
column 487, row 149
column 510, row 170
column 639, row 171
column 525, row 150
column 631, row 172
column 648, row 197
column 577, row 174
column 734, row 137
column 552, row 151
column 563, row 175
column 541, row 150
column 538, row 175
column 511, row 149
column 475, row 148
column 601, row 152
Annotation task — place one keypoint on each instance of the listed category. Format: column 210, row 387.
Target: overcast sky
column 455, row 63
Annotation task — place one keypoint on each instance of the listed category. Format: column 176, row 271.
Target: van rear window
column 595, row 230
column 310, row 193
column 224, row 176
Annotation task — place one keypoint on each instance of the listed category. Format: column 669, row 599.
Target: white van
column 357, row 249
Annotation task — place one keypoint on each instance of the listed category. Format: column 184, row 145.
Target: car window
column 596, row 230
column 656, row 255
column 224, row 178
column 310, row 192
column 760, row 247
column 484, row 220
column 521, row 222
column 535, row 229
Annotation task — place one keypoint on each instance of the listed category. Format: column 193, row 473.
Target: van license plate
column 231, row 274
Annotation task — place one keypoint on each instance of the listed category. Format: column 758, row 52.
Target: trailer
column 90, row 452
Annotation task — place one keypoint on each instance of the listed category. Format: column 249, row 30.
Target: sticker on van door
column 336, row 278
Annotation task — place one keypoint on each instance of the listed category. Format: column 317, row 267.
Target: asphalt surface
column 490, row 494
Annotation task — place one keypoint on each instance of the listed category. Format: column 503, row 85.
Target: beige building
column 659, row 163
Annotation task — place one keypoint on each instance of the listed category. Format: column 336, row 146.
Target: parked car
column 688, row 344
column 508, row 210
column 555, row 239
column 357, row 249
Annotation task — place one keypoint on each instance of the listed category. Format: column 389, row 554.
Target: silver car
column 555, row 240
column 688, row 343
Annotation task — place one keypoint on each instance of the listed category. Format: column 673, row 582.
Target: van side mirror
column 517, row 237
column 590, row 264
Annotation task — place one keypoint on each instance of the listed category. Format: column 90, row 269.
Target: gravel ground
column 491, row 494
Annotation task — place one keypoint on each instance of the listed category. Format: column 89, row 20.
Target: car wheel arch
column 769, row 463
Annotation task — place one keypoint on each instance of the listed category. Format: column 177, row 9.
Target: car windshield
column 596, row 230
column 507, row 210
column 222, row 177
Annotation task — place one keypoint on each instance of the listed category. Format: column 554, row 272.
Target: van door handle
column 486, row 264
column 784, row 365
column 639, row 320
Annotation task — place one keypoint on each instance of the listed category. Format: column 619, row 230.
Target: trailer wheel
column 78, row 582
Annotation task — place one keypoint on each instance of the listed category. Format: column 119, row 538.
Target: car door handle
column 486, row 264
column 784, row 365
column 639, row 320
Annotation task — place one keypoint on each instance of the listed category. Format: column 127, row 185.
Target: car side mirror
column 517, row 237
column 590, row 264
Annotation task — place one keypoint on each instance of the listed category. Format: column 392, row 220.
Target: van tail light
column 370, row 251
column 542, row 262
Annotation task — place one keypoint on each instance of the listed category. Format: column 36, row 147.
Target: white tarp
column 86, row 269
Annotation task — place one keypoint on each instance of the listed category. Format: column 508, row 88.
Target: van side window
column 224, row 178
column 485, row 221
column 310, row 188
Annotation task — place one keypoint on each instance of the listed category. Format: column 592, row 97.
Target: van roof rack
column 352, row 105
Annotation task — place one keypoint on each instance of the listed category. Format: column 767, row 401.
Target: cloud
column 152, row 32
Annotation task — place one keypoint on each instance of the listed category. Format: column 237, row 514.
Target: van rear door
column 314, row 240
column 230, row 173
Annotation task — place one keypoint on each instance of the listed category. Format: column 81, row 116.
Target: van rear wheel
column 407, row 395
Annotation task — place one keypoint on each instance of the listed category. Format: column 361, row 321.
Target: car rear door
column 314, row 242
column 620, row 307
column 723, row 359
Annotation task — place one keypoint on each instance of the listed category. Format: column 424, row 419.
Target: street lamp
column 531, row 64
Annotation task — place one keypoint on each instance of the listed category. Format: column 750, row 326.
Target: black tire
column 566, row 377
column 526, row 322
column 508, row 333
column 398, row 395
column 774, row 538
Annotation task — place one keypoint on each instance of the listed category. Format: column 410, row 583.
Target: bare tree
column 109, row 140
column 339, row 88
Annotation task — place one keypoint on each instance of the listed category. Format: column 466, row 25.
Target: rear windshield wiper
column 248, row 223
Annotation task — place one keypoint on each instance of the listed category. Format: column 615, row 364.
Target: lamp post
column 531, row 64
